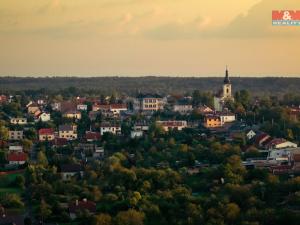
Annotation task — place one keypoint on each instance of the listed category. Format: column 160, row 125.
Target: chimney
column 76, row 202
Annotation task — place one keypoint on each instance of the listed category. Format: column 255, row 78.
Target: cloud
column 196, row 28
column 257, row 22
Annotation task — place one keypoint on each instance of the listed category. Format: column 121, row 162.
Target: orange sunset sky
column 146, row 37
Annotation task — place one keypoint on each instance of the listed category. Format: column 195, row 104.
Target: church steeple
column 226, row 79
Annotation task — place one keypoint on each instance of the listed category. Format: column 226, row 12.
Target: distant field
column 163, row 85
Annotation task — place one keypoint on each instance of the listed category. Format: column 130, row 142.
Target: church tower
column 227, row 86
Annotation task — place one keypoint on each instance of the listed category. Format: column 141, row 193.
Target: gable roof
column 46, row 131
column 17, row 156
column 70, row 168
column 82, row 205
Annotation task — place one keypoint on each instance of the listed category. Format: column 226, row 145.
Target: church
column 224, row 95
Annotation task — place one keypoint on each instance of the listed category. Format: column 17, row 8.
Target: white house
column 136, row 133
column 44, row 117
column 106, row 127
column 280, row 143
column 19, row 121
column 15, row 135
column 15, row 148
column 82, row 107
column 183, row 108
column 250, row 134
column 227, row 117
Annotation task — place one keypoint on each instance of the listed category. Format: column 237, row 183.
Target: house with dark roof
column 80, row 206
column 70, row 170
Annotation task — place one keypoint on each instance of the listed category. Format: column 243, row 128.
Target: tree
column 42, row 158
column 102, row 219
column 232, row 211
column 130, row 217
column 44, row 210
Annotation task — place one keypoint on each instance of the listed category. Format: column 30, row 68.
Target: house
column 92, row 136
column 68, row 171
column 3, row 99
column 41, row 102
column 250, row 134
column 182, row 107
column 141, row 126
column 82, row 107
column 172, row 125
column 204, row 110
column 18, row 121
column 260, row 139
column 277, row 156
column 17, row 158
column 59, row 142
column 15, row 135
column 295, row 160
column 148, row 103
column 46, row 134
column 107, row 127
column 80, row 206
column 44, row 117
column 279, row 143
column 68, row 132
column 224, row 95
column 212, row 121
column 56, row 106
column 99, row 152
column 73, row 114
column 15, row 148
column 110, row 109
column 136, row 133
column 32, row 108
column 227, row 117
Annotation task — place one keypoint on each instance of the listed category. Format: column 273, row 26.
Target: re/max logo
column 286, row 17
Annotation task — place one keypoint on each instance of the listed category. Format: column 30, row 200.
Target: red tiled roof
column 92, row 135
column 46, row 131
column 60, row 142
column 82, row 205
column 17, row 156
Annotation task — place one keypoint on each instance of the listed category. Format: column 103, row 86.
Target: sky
column 146, row 38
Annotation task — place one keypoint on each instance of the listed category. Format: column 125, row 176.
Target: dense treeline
column 163, row 85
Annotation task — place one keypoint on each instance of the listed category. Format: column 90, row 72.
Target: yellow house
column 211, row 121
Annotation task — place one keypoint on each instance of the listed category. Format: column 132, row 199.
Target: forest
column 152, row 84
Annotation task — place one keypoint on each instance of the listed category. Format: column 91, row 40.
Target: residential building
column 91, row 136
column 18, row 121
column 279, row 143
column 82, row 107
column 136, row 133
column 250, row 134
column 183, row 107
column 73, row 114
column 17, row 158
column 15, row 135
column 149, row 103
column 68, row 171
column 81, row 206
column 15, row 148
column 227, row 117
column 46, row 134
column 204, row 110
column 32, row 108
column 44, row 117
column 173, row 125
column 68, row 132
column 212, row 121
column 107, row 127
